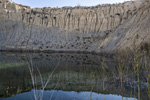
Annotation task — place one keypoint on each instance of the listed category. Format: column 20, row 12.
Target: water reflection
column 99, row 76
column 69, row 95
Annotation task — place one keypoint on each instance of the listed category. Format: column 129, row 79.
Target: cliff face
column 104, row 28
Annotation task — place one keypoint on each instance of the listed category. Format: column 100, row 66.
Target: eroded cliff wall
column 103, row 28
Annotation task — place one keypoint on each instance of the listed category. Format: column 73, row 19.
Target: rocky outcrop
column 103, row 28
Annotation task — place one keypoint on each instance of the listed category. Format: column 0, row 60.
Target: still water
column 67, row 76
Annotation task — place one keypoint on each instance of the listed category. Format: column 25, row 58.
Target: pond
column 68, row 76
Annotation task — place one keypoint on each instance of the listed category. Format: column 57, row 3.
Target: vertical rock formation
column 103, row 28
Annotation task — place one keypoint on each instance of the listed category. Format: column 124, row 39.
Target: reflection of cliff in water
column 72, row 72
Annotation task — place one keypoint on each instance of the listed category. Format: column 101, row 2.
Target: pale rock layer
column 102, row 28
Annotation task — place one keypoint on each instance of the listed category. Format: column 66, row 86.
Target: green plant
column 11, row 65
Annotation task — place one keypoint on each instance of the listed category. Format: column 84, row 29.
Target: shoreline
column 59, row 51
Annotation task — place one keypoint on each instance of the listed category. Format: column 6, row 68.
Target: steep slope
column 135, row 29
column 103, row 28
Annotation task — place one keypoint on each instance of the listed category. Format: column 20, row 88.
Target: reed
column 32, row 69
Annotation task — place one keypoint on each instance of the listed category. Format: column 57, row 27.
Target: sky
column 62, row 3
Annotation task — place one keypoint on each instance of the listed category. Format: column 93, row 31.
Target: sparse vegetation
column 11, row 65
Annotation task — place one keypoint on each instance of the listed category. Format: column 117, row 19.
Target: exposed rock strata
column 103, row 28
